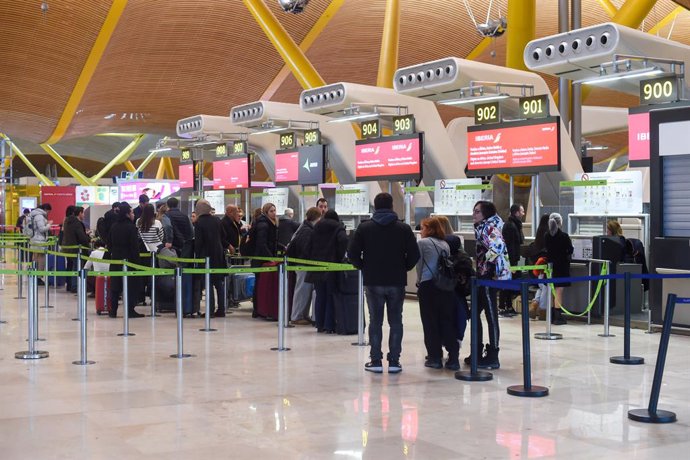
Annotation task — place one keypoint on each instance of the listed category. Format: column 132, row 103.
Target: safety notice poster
column 613, row 193
column 278, row 196
column 451, row 200
column 352, row 199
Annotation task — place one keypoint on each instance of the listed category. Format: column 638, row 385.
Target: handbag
column 444, row 277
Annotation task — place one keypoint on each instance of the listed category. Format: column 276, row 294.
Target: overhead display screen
column 395, row 158
column 312, row 170
column 522, row 147
column 232, row 173
column 638, row 136
column 287, row 167
column 186, row 175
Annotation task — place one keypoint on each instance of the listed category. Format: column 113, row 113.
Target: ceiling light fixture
column 474, row 99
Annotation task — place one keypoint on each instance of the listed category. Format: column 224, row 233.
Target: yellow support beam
column 388, row 57
column 146, row 162
column 26, row 161
column 609, row 7
column 88, row 70
column 309, row 40
column 82, row 179
column 129, row 166
column 633, row 12
column 301, row 68
column 523, row 25
column 668, row 19
column 479, row 49
column 160, row 173
column 120, row 157
column 169, row 170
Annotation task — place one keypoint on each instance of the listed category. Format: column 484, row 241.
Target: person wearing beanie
column 208, row 243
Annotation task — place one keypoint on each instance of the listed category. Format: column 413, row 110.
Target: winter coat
column 328, row 244
column 232, row 233
column 492, row 254
column 266, row 239
column 207, row 241
column 299, row 246
column 559, row 251
column 183, row 232
column 385, row 249
column 73, row 233
column 513, row 237
column 286, row 228
column 38, row 219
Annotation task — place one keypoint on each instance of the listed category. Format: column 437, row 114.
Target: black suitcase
column 346, row 303
column 165, row 293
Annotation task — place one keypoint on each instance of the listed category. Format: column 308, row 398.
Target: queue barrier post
column 79, row 266
column 178, row 310
column 651, row 414
column 153, row 287
column 474, row 375
column 548, row 335
column 81, row 294
column 526, row 389
column 21, row 255
column 37, row 337
column 281, row 309
column 207, row 316
column 286, row 294
column 46, row 279
column 360, row 311
column 626, row 358
column 125, row 303
column 607, row 299
column 32, row 304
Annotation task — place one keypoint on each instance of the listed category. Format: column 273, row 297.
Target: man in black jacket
column 232, row 229
column 207, row 243
column 299, row 249
column 183, row 232
column 384, row 249
column 513, row 236
column 73, row 234
column 124, row 238
column 286, row 227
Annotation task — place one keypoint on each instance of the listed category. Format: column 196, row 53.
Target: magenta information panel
column 231, row 174
column 638, row 137
column 397, row 158
column 287, row 167
column 186, row 176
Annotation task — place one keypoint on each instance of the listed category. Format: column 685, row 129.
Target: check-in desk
column 576, row 296
column 679, row 287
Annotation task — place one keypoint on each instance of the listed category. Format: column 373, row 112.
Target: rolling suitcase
column 346, row 303
column 165, row 293
column 240, row 287
column 102, row 294
column 266, row 295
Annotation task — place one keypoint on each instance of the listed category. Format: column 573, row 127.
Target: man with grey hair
column 286, row 227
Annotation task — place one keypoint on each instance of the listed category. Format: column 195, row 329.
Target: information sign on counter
column 278, row 196
column 611, row 193
column 217, row 200
column 452, row 200
column 352, row 199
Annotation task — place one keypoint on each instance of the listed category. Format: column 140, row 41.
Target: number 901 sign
column 659, row 90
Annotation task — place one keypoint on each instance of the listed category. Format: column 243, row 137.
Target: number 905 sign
column 659, row 90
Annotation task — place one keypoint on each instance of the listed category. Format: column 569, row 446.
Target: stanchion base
column 47, row 306
column 606, row 335
column 28, row 355
column 357, row 344
column 180, row 356
column 20, row 298
column 643, row 415
column 468, row 376
column 547, row 336
column 125, row 335
column 153, row 316
column 83, row 363
column 36, row 340
column 623, row 360
column 288, row 326
column 76, row 319
column 2, row 321
column 535, row 391
column 210, row 329
column 280, row 349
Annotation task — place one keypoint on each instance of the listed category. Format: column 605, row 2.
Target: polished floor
column 237, row 399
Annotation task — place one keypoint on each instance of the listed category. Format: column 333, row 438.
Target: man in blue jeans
column 385, row 249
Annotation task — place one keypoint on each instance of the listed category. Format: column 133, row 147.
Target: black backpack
column 248, row 248
column 444, row 277
column 463, row 267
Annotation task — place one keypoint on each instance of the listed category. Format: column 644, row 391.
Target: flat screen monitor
column 231, row 173
column 287, row 167
column 186, row 175
column 395, row 158
column 519, row 147
column 638, row 136
column 311, row 163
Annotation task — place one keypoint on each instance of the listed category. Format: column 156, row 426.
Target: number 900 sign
column 659, row 90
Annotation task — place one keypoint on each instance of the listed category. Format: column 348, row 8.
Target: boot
column 468, row 360
column 490, row 359
column 219, row 313
column 557, row 318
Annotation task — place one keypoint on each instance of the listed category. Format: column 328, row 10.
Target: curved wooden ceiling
column 169, row 59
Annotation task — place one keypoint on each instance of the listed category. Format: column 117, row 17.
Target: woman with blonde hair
column 559, row 251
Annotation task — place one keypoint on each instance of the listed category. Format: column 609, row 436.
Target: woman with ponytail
column 559, row 251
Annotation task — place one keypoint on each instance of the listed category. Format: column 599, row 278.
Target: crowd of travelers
column 383, row 247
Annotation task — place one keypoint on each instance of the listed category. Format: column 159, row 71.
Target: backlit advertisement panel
column 638, row 137
column 231, row 174
column 186, row 176
column 394, row 158
column 156, row 190
column 522, row 147
column 287, row 167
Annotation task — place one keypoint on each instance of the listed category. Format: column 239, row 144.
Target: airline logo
column 399, row 158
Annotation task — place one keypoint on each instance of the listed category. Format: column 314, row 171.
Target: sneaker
column 394, row 367
column 374, row 366
column 302, row 322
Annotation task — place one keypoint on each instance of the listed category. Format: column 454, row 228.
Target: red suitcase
column 267, row 293
column 102, row 294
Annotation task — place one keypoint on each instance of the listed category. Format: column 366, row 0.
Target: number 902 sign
column 487, row 113
column 659, row 90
